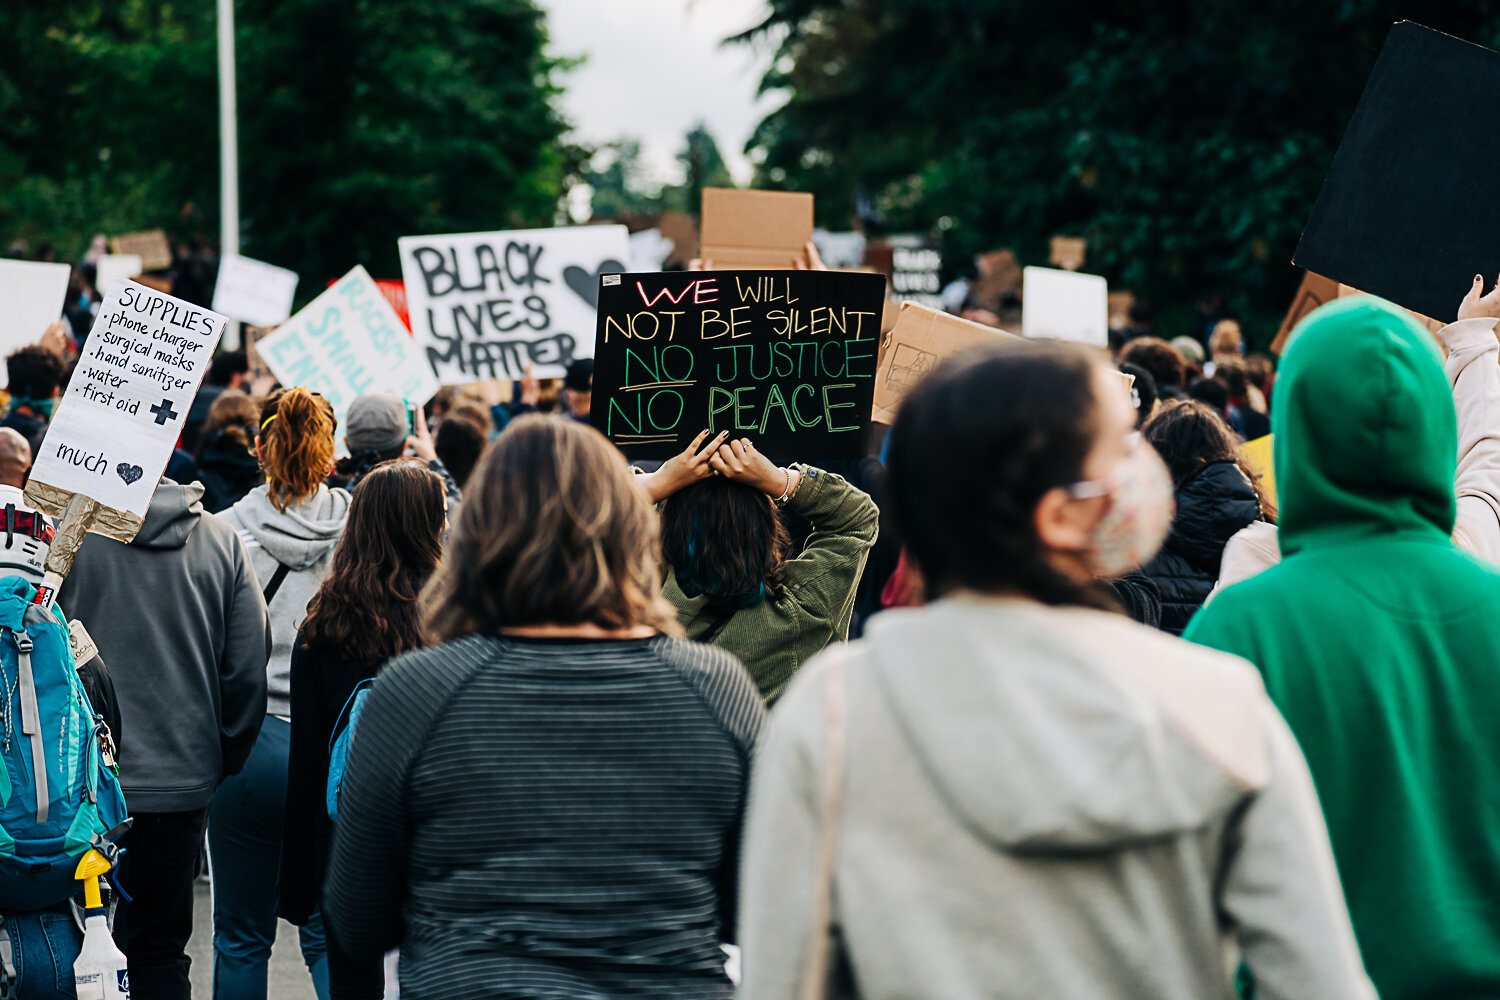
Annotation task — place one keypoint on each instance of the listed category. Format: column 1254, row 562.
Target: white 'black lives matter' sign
column 484, row 305
column 115, row 429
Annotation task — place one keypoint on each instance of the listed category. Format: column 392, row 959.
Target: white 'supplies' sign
column 483, row 305
column 253, row 292
column 345, row 343
column 115, row 429
column 1064, row 305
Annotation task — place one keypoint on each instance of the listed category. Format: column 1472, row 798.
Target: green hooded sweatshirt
column 1380, row 642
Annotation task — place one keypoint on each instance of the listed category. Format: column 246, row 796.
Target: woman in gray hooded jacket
column 290, row 526
column 1017, row 792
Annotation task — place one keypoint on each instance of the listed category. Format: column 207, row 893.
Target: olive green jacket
column 813, row 607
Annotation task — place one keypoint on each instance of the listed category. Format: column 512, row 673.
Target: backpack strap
column 9, row 980
column 277, row 579
column 31, row 723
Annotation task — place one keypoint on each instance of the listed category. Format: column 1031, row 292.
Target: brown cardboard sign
column 151, row 246
column 921, row 340
column 680, row 228
column 754, row 229
column 1120, row 304
column 1313, row 292
column 1432, row 325
column 1068, row 252
column 1000, row 275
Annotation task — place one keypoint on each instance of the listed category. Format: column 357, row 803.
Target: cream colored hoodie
column 1476, row 397
column 1043, row 802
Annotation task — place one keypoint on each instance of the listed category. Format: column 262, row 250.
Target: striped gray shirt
column 547, row 819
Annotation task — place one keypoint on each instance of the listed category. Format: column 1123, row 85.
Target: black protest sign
column 1406, row 211
column 785, row 358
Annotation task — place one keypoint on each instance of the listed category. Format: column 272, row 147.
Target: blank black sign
column 1408, row 210
column 785, row 358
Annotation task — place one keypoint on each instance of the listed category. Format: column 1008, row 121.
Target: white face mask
column 1135, row 524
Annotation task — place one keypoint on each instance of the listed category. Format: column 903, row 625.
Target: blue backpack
column 59, row 793
column 340, row 742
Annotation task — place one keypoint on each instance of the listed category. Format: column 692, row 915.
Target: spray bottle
column 100, row 972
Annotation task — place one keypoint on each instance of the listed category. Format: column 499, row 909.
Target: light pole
column 229, row 153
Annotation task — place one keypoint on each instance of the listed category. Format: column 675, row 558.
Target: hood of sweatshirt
column 174, row 512
column 1366, row 433
column 1053, row 730
column 300, row 535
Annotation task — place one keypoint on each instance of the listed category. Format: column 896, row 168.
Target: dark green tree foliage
column 621, row 187
column 1186, row 140
column 360, row 121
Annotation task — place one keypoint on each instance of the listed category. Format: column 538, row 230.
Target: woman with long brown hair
column 365, row 613
column 548, row 801
column 290, row 526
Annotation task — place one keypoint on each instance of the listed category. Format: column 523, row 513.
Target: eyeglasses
column 1092, row 489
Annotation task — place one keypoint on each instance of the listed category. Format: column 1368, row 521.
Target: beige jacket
column 1476, row 397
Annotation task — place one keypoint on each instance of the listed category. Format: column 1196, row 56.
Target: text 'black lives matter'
column 785, row 358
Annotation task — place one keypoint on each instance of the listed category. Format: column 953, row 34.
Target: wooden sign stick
column 76, row 521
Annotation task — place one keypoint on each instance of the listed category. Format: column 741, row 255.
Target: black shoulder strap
column 277, row 579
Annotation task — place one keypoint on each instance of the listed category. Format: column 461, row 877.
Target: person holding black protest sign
column 732, row 577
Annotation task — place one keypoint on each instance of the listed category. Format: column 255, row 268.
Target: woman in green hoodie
column 732, row 577
column 1378, row 639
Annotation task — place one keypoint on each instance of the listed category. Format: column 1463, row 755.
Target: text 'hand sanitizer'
column 100, row 972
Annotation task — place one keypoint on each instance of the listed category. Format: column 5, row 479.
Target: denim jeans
column 44, row 947
column 244, row 854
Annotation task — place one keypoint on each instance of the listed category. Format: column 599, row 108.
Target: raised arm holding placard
column 115, row 429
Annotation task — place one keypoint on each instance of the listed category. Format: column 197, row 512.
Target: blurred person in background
column 228, row 370
column 548, row 802
column 1216, row 497
column 36, row 379
column 1192, row 357
column 1166, row 364
column 227, row 466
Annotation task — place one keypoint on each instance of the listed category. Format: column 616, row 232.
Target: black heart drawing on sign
column 129, row 473
column 586, row 284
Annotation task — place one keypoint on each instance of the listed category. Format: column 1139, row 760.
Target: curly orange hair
column 296, row 444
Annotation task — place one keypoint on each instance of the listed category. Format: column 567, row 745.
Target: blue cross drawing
column 164, row 412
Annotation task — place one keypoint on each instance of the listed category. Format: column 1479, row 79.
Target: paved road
column 288, row 978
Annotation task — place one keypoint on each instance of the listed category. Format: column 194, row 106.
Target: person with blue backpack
column 364, row 613
column 73, row 694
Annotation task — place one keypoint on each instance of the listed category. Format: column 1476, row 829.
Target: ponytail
column 296, row 444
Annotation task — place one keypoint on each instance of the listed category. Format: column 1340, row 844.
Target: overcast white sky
column 655, row 67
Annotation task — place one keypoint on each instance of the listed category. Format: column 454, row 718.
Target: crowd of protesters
column 1052, row 695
